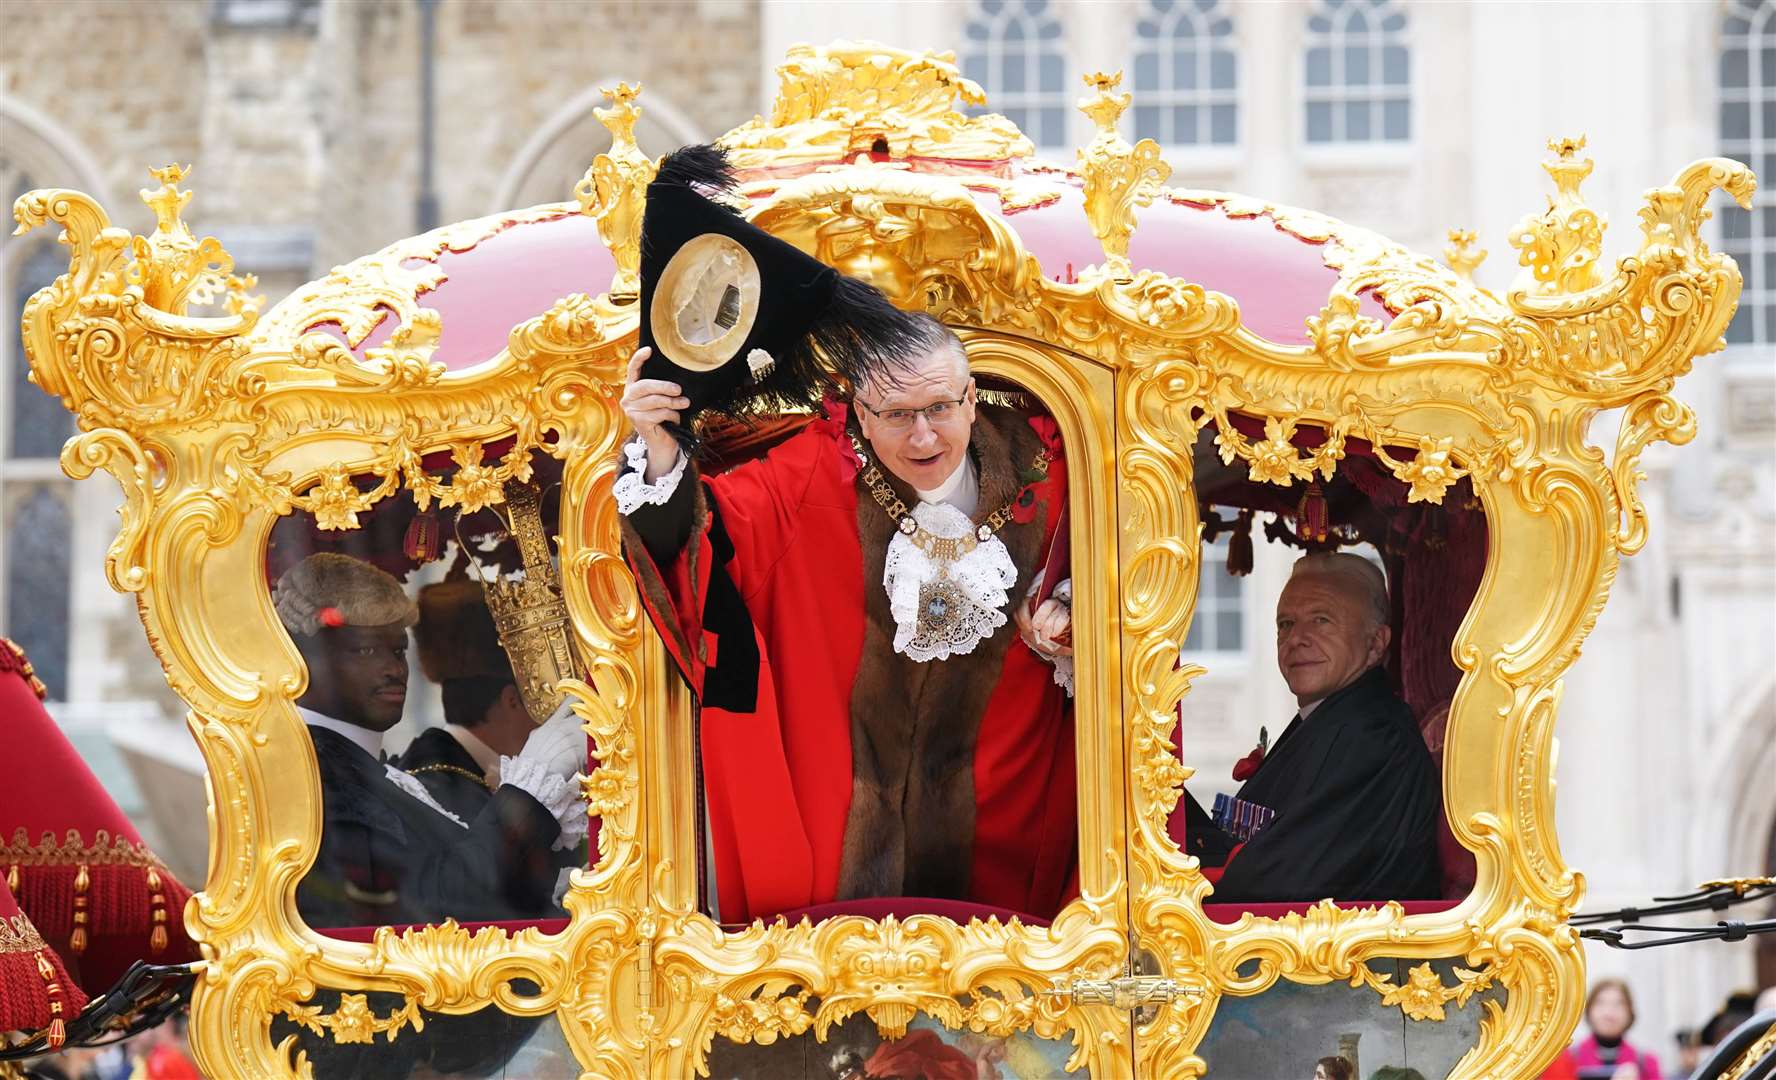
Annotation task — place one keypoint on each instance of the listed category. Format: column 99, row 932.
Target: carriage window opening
column 1357, row 86
column 1219, row 624
column 1748, row 134
column 1014, row 52
column 1186, row 74
column 446, row 758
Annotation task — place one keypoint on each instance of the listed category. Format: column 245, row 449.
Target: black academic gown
column 1356, row 799
column 387, row 858
column 448, row 771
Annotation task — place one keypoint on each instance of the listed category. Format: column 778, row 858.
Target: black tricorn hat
column 739, row 319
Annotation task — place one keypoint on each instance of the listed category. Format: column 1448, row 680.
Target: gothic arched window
column 1748, row 134
column 1357, row 87
column 1186, row 74
column 36, row 498
column 1014, row 52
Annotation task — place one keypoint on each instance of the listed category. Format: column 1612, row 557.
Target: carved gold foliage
column 1423, row 997
column 982, row 976
column 353, row 1021
column 848, row 98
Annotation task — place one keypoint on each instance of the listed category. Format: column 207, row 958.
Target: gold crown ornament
column 529, row 612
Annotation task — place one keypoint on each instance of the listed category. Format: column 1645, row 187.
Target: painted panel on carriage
column 1281, row 1033
column 855, row 1051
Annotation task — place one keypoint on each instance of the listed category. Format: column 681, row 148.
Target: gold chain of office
column 942, row 549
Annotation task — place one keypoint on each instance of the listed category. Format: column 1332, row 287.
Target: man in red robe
column 884, row 681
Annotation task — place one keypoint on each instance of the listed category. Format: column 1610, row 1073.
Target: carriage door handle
column 1127, row 992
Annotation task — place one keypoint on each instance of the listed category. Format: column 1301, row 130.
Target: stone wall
column 305, row 132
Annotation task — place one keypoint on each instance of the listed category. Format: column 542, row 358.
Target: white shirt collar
column 485, row 756
column 1306, row 711
column 368, row 741
column 961, row 490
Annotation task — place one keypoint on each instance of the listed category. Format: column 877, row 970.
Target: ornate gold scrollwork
column 836, row 101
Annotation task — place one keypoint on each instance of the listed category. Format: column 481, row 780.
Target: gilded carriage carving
column 216, row 425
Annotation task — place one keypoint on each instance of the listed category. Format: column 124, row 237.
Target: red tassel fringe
column 118, row 901
column 37, row 994
column 424, row 541
column 1239, row 546
column 1312, row 520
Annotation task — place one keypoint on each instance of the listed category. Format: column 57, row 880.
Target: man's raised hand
column 650, row 404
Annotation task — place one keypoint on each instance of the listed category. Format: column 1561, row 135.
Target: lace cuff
column 1063, row 673
column 413, row 786
column 559, row 795
column 632, row 489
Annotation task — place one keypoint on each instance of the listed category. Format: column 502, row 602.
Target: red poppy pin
column 1245, row 767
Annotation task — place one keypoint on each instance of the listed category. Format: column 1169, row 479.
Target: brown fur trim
column 910, row 831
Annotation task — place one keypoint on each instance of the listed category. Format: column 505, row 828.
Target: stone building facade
column 1409, row 117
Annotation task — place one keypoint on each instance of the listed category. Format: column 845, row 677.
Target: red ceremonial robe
column 785, row 531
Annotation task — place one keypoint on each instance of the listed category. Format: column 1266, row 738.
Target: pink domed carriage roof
column 486, row 276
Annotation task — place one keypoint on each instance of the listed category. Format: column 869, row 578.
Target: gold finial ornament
column 1561, row 246
column 1118, row 177
column 1463, row 254
column 529, row 612
column 614, row 190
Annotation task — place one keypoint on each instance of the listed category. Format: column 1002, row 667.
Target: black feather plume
column 703, row 165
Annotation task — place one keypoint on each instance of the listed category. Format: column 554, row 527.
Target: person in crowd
column 1605, row 1054
column 390, row 853
column 1344, row 805
column 485, row 718
column 1396, row 1072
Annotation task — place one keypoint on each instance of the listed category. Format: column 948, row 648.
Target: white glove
column 546, row 769
column 557, row 746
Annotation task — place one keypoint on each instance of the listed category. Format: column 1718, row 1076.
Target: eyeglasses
column 938, row 412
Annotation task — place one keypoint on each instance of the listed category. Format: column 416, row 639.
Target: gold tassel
column 82, row 882
column 157, row 940
column 58, row 1029
column 12, row 879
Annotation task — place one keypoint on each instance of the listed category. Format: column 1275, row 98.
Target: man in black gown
column 390, row 852
column 484, row 714
column 1344, row 805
